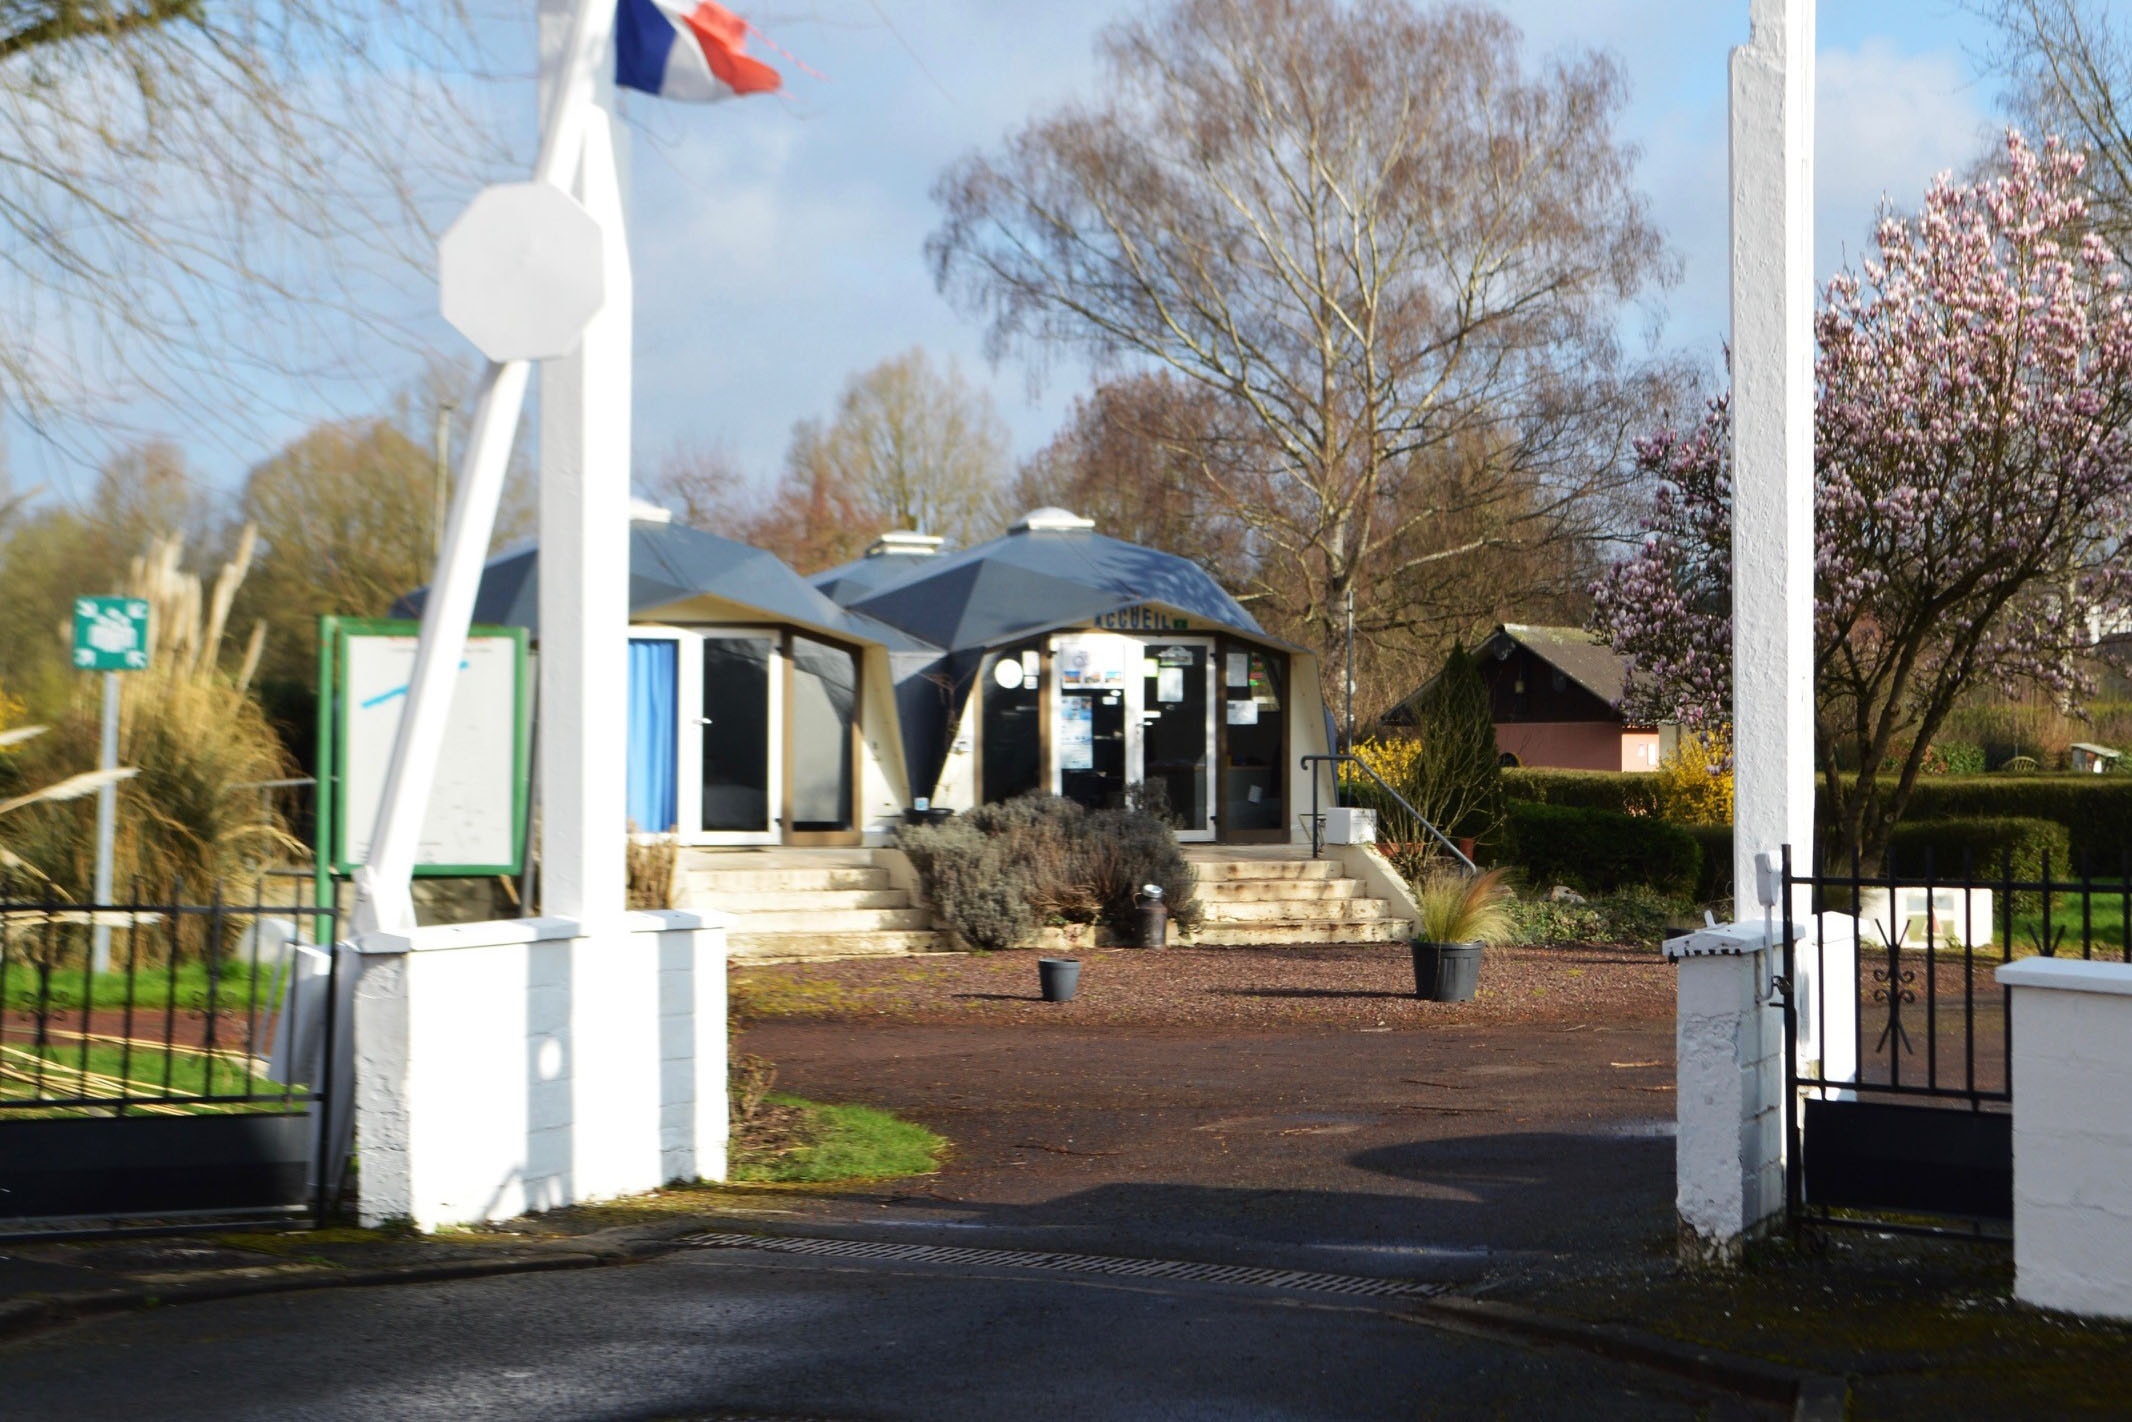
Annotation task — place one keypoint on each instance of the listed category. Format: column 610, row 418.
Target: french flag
column 686, row 49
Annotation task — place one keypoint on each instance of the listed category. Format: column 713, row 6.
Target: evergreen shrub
column 1623, row 791
column 1979, row 849
column 1601, row 851
column 1000, row 872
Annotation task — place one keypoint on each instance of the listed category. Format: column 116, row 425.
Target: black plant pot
column 1446, row 972
column 1059, row 978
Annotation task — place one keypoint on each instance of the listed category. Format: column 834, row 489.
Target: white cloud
column 1885, row 123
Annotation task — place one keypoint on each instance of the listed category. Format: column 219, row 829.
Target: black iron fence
column 162, row 1055
column 1900, row 1041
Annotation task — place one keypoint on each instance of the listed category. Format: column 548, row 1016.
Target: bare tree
column 1402, row 257
column 346, row 520
column 919, row 446
column 2068, row 68
column 198, row 194
column 1131, row 456
column 704, row 487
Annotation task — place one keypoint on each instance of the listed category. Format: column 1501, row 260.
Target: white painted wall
column 2072, row 1054
column 1729, row 1083
column 527, row 1064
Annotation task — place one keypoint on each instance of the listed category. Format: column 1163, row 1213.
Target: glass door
column 1089, row 751
column 824, row 741
column 1175, row 724
column 740, row 797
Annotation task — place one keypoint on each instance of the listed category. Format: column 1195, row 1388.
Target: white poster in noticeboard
column 476, row 815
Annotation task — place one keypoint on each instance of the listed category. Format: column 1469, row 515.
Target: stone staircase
column 805, row 904
column 1258, row 897
column 794, row 905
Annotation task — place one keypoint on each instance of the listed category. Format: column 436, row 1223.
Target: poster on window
column 1077, row 733
column 1169, row 686
column 1092, row 661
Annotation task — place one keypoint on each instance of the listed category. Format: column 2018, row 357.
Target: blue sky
column 778, row 242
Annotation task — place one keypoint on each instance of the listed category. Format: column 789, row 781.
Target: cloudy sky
column 778, row 242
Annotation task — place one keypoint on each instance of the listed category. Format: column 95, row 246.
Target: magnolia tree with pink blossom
column 1973, row 477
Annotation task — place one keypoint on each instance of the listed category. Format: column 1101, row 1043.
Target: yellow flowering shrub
column 1694, row 784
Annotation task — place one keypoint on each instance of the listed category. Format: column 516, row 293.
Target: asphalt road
column 1451, row 1157
column 741, row 1333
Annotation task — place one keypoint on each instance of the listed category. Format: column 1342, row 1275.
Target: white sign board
column 477, row 806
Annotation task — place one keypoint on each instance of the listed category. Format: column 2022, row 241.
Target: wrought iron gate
column 162, row 1059
column 1899, row 1043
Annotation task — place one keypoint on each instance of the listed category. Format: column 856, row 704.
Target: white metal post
column 384, row 898
column 106, row 821
column 584, row 550
column 1773, row 441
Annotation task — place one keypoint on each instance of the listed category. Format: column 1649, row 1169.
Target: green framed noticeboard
column 476, row 821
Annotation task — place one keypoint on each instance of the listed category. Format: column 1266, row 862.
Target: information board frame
column 336, row 636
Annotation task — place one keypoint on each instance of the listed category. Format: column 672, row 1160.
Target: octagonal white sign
column 521, row 271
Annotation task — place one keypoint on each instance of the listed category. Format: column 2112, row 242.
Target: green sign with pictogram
column 110, row 634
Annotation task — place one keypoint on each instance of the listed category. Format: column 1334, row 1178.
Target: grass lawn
column 154, row 986
column 808, row 1143
column 58, row 1069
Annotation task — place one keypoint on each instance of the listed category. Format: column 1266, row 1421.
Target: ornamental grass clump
column 198, row 749
column 1464, row 908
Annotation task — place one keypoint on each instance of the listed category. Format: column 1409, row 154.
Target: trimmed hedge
column 1616, row 790
column 1714, row 882
column 1988, row 847
column 1600, row 851
column 2094, row 810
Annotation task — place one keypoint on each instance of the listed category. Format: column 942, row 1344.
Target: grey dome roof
column 1039, row 578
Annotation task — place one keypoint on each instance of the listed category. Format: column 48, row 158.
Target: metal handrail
column 1317, row 822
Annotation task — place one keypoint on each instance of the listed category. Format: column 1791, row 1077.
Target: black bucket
column 1059, row 977
column 1151, row 924
column 1446, row 972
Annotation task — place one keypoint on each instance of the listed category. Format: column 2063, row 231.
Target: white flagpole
column 384, row 897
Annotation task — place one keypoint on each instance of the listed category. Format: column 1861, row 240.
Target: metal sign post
column 110, row 636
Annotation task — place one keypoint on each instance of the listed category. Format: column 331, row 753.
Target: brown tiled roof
column 1577, row 654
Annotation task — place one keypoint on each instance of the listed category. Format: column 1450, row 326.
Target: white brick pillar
column 2072, row 1055
column 1729, row 1082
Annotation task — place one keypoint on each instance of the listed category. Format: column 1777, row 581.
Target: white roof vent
column 645, row 511
column 902, row 542
column 1051, row 520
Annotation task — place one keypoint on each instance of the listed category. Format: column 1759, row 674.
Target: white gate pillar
column 1773, row 442
column 1731, row 1146
column 584, row 549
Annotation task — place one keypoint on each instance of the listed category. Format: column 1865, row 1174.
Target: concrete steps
column 1251, row 898
column 795, row 905
column 1219, row 934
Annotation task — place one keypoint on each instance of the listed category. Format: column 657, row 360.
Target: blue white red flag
column 686, row 49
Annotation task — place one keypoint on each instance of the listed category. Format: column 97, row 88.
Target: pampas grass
column 1461, row 908
column 194, row 743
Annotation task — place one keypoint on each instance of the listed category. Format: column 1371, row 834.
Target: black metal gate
column 1899, row 1043
column 163, row 1059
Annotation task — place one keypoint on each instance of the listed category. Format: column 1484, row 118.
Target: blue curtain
column 654, row 686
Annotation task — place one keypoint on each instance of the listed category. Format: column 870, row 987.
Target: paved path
column 1446, row 1155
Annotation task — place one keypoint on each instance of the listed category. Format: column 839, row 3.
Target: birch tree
column 1404, row 257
